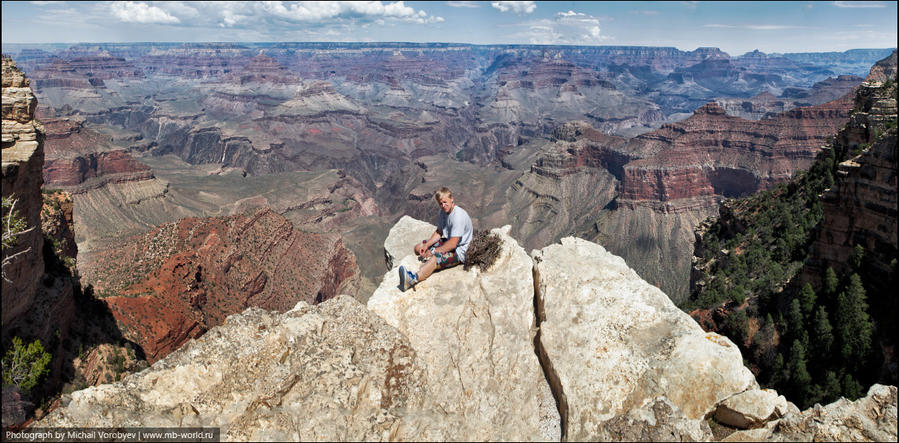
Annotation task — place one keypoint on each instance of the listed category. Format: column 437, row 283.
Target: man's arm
column 422, row 249
column 435, row 237
column 449, row 245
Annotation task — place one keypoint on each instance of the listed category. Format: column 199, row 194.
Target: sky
column 734, row 27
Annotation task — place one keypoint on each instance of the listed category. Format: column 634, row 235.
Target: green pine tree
column 852, row 389
column 832, row 388
column 796, row 322
column 800, row 379
column 831, row 283
column 854, row 326
column 807, row 299
column 823, row 334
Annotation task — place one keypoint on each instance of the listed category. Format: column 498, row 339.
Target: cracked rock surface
column 619, row 344
column 475, row 333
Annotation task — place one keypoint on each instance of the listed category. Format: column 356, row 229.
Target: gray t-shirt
column 456, row 224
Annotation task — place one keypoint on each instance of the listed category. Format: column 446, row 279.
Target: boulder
column 617, row 343
column 331, row 372
column 402, row 238
column 871, row 418
column 752, row 408
column 475, row 332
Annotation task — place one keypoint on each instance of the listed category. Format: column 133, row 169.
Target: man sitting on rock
column 447, row 245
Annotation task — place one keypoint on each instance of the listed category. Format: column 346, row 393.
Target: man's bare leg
column 427, row 269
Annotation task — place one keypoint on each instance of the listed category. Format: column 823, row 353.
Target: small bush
column 483, row 250
column 24, row 366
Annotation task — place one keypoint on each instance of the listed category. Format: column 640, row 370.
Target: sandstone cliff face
column 476, row 370
column 860, row 209
column 183, row 278
column 23, row 157
column 883, row 70
column 713, row 153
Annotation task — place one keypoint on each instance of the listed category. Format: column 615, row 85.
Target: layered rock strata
column 861, row 208
column 23, row 158
column 183, row 278
column 712, row 153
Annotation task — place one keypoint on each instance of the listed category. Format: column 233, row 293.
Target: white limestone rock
column 615, row 342
column 330, row 372
column 402, row 238
column 751, row 409
column 475, row 331
column 870, row 418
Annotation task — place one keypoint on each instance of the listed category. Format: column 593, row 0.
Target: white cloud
column 132, row 12
column 318, row 11
column 860, row 4
column 516, row 7
column 753, row 27
column 180, row 9
column 565, row 28
column 464, row 4
column 274, row 17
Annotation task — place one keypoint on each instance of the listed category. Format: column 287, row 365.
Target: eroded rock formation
column 183, row 278
column 23, row 158
column 861, row 208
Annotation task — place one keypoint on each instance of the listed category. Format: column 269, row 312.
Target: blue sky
column 735, row 27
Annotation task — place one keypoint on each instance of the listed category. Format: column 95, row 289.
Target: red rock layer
column 713, row 153
column 263, row 69
column 105, row 67
column 183, row 278
column 71, row 158
column 115, row 166
column 201, row 61
column 61, row 74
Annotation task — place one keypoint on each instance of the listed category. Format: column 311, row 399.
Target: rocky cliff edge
column 565, row 343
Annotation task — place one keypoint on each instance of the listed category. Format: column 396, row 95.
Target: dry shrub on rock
column 483, row 251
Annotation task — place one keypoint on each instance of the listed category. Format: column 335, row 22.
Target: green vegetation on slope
column 812, row 344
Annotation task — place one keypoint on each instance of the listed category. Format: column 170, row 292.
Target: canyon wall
column 23, row 158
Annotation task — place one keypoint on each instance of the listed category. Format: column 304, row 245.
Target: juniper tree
column 24, row 366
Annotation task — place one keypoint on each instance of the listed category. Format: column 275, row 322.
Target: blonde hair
column 443, row 192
